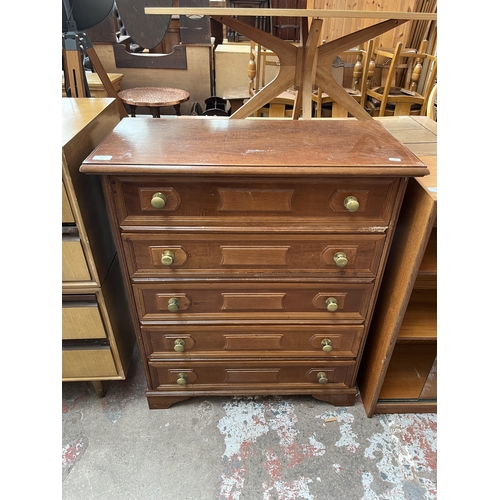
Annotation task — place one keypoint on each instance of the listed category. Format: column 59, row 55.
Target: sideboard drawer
column 254, row 376
column 212, row 202
column 252, row 301
column 191, row 341
column 88, row 361
column 173, row 254
column 74, row 264
column 82, row 320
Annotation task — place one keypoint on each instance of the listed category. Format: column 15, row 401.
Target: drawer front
column 173, row 254
column 254, row 376
column 82, row 320
column 74, row 264
column 189, row 342
column 88, row 362
column 252, row 301
column 250, row 203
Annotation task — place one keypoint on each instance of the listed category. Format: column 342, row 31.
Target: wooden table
column 308, row 64
column 154, row 98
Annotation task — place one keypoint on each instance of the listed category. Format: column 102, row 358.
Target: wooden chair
column 391, row 100
column 430, row 89
column 260, row 59
column 324, row 105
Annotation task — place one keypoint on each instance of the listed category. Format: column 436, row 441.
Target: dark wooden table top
column 197, row 145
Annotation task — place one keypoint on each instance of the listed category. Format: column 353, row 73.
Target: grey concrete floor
column 242, row 448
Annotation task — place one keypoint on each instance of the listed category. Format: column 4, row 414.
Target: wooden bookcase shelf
column 398, row 372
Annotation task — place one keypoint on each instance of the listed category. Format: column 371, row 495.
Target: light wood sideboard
column 97, row 331
column 398, row 372
column 253, row 249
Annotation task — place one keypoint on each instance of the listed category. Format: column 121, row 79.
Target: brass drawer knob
column 182, row 379
column 167, row 258
column 340, row 259
column 179, row 345
column 173, row 305
column 327, row 345
column 331, row 304
column 322, row 378
column 158, row 200
column 351, row 203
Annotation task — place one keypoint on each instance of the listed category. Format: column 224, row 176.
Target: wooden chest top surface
column 189, row 145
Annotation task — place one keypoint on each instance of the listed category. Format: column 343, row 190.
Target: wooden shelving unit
column 398, row 371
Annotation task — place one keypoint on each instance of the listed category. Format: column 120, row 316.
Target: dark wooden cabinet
column 254, row 249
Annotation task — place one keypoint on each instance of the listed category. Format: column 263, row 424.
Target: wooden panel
column 82, row 320
column 67, row 213
column 255, row 200
column 408, row 370
column 420, row 320
column 253, row 301
column 287, row 301
column 74, row 264
column 235, row 340
column 224, row 254
column 88, row 363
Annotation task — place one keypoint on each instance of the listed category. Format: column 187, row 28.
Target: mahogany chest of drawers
column 254, row 249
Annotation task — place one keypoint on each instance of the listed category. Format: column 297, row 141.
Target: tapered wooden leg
column 98, row 387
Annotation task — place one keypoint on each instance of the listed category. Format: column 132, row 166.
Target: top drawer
column 342, row 203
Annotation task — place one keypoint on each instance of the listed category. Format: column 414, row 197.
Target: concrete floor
column 249, row 448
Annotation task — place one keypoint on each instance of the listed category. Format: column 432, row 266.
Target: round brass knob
column 351, row 203
column 340, row 259
column 327, row 345
column 173, row 304
column 331, row 304
column 182, row 379
column 158, row 200
column 179, row 345
column 167, row 258
column 322, row 378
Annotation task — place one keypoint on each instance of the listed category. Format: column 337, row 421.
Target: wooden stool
column 154, row 98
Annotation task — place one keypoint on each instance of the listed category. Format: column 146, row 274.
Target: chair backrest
column 383, row 93
column 260, row 59
column 429, row 90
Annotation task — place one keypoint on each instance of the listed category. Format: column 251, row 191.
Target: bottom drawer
column 254, row 376
column 87, row 362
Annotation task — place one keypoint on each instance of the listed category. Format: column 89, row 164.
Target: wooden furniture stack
column 253, row 249
column 97, row 331
column 96, row 87
column 398, row 372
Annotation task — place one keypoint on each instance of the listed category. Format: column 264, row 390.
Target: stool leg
column 132, row 110
column 177, row 109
